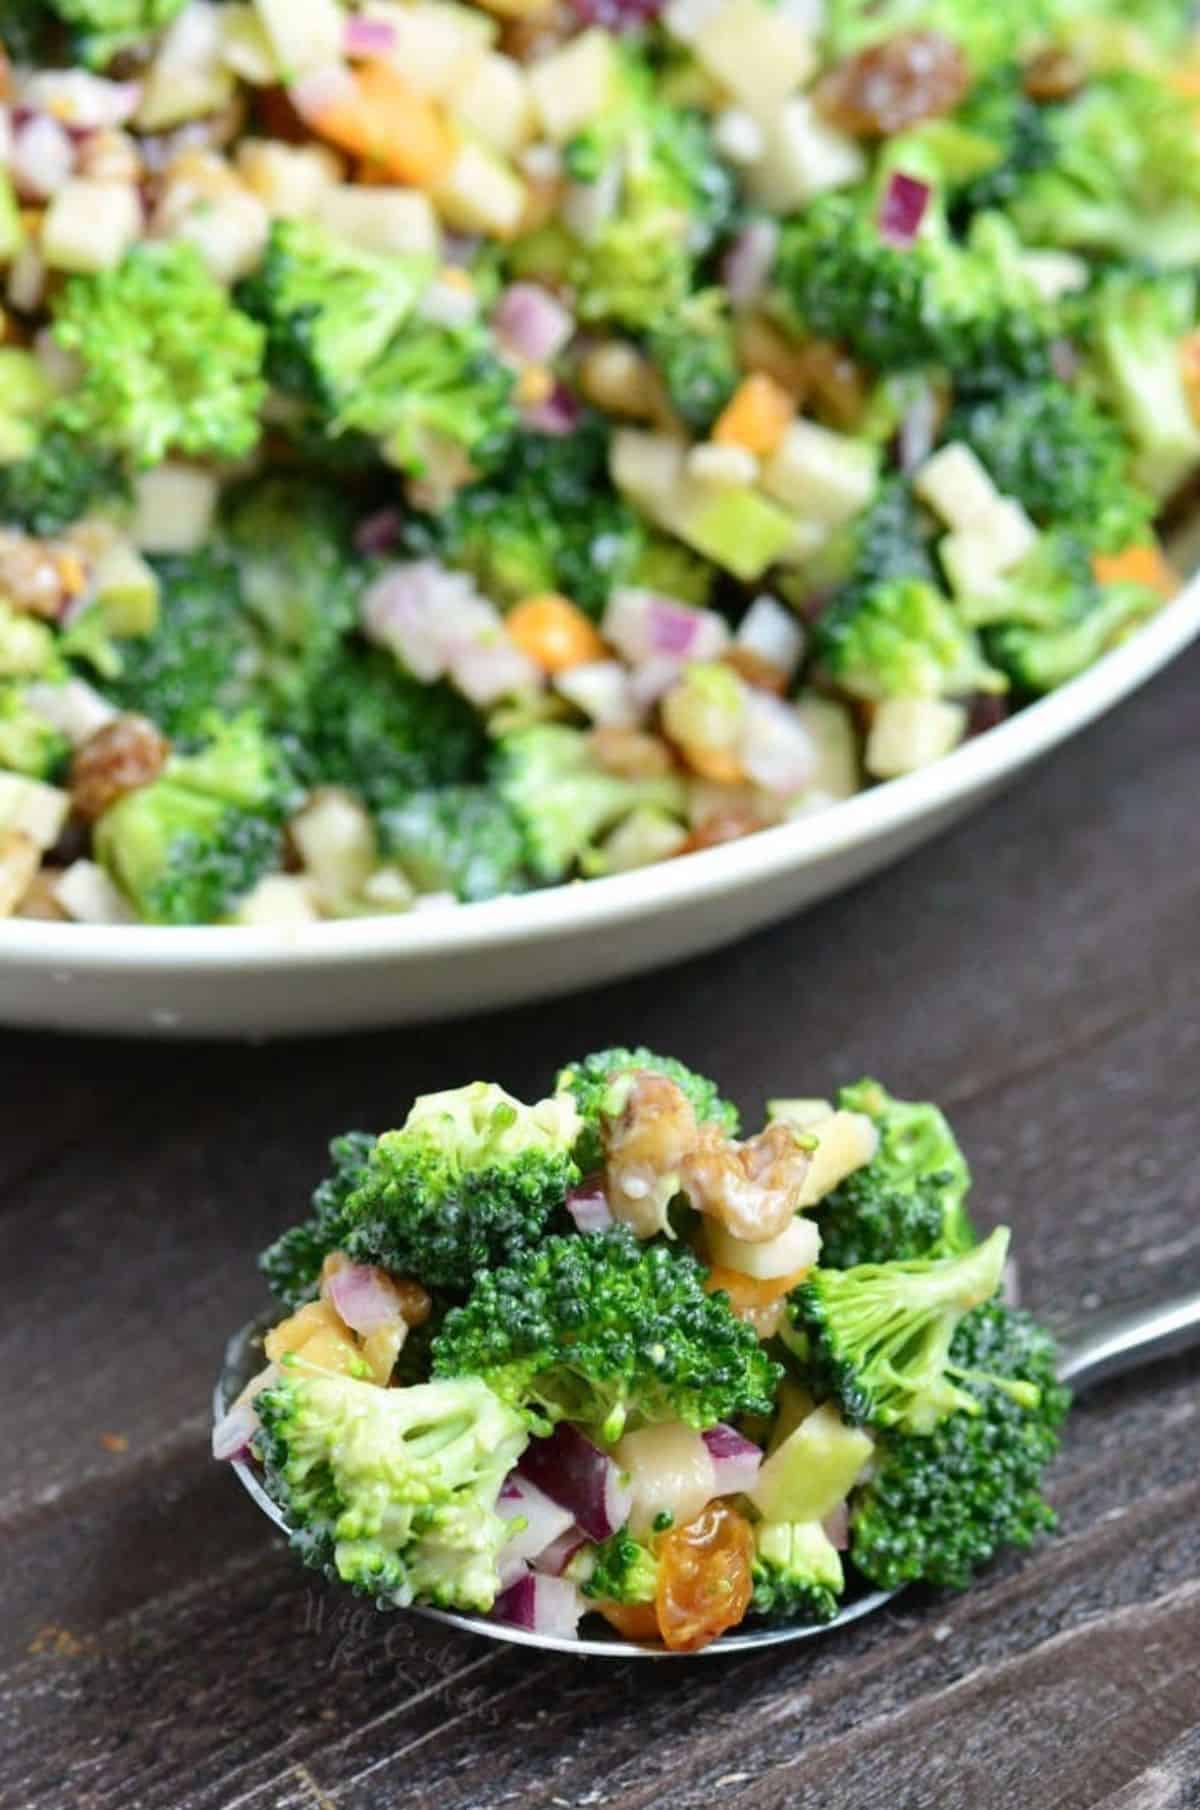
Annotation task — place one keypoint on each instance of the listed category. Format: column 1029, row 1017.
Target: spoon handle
column 1131, row 1336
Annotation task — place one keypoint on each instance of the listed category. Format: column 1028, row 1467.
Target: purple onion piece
column 735, row 1460
column 541, row 1605
column 543, row 1521
column 588, row 1205
column 580, row 1478
column 363, row 1297
column 368, row 37
column 378, row 533
column 557, row 416
column 560, row 1552
column 747, row 264
column 903, row 209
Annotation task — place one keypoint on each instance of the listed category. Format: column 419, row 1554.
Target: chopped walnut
column 890, row 86
column 753, row 1188
column 123, row 756
column 41, row 898
column 645, row 1147
column 632, row 753
column 37, row 577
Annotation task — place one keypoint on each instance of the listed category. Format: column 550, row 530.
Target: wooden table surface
column 1036, row 971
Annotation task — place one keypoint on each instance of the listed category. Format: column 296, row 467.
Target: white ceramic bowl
column 391, row 970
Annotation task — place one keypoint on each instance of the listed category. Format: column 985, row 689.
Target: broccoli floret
column 472, row 1179
column 693, row 349
column 591, row 1082
column 61, row 480
column 459, row 839
column 1011, row 139
column 201, row 654
column 888, row 540
column 909, row 1200
column 1136, row 325
column 609, row 1333
column 292, row 1265
column 28, row 743
column 551, row 521
column 187, row 847
column 987, row 35
column 1125, row 177
column 900, row 639
column 880, row 1334
column 1052, row 617
column 940, row 1505
column 169, row 364
column 622, row 1570
column 563, row 799
column 393, row 1491
column 797, row 1572
column 1060, row 454
column 434, row 387
column 29, row 31
column 103, row 28
column 366, row 724
column 970, row 308
column 329, row 309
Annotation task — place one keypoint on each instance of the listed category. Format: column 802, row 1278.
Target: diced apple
column 336, row 843
column 173, row 508
column 647, row 467
column 32, row 808
column 492, row 99
column 802, row 157
column 794, row 1249
column 289, row 180
column 480, row 193
column 572, row 86
column 739, row 530
column 246, row 47
column 437, row 44
column 956, row 485
column 802, row 1112
column 909, row 733
column 756, row 50
column 845, row 1142
column 823, row 476
column 813, row 1470
column 278, row 899
column 838, row 771
column 230, row 233
column 381, row 219
column 304, row 34
column 127, row 589
column 91, row 225
column 645, row 837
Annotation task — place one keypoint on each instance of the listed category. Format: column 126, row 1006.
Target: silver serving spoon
column 1111, row 1344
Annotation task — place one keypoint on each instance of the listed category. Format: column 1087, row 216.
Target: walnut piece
column 890, row 86
column 753, row 1188
column 645, row 1146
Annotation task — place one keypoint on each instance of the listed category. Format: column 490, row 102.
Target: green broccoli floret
column 28, row 743
column 1135, row 326
column 201, row 656
column 30, row 29
column 900, row 639
column 971, row 308
column 186, row 848
column 103, row 28
column 940, row 1505
column 886, row 541
column 169, row 364
column 594, row 1084
column 393, row 1491
column 563, row 799
column 1124, row 181
column 1010, row 137
column 459, row 839
column 987, row 35
column 1060, row 454
column 292, row 1265
column 673, row 200
column 434, row 387
column 797, row 1572
column 880, row 1334
column 472, row 1179
column 59, row 481
column 610, row 1333
column 364, row 723
column 1051, row 617
column 622, row 1570
column 329, row 309
column 694, row 352
column 551, row 521
column 909, row 1200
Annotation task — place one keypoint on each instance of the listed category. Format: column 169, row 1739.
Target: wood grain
column 159, row 1651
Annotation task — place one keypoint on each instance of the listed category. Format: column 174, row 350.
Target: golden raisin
column 127, row 753
column 755, row 670
column 727, row 825
column 890, row 86
column 837, row 385
column 1054, row 74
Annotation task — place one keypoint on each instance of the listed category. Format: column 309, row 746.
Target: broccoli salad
column 449, row 449
column 599, row 1357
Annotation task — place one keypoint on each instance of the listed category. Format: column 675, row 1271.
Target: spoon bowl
column 1109, row 1345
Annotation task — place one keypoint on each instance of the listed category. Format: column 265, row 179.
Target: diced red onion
column 531, row 323
column 400, row 611
column 378, row 533
column 776, row 751
column 588, row 1205
column 560, row 1552
column 363, row 1297
column 601, row 689
column 557, row 416
column 986, row 711
column 323, row 90
column 652, row 679
column 545, row 1521
column 368, row 37
column 617, row 15
column 580, row 1477
column 747, row 263
column 837, row 1526
column 542, row 1605
column 80, row 101
column 42, row 158
column 736, row 1460
column 902, row 209
column 642, row 624
column 772, row 632
column 233, row 1432
column 510, row 1569
column 917, row 431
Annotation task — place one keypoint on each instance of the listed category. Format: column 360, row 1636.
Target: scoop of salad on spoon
column 598, row 1360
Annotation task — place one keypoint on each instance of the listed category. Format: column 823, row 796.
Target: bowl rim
column 608, row 902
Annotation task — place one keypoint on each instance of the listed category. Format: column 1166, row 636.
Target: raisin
column 127, row 753
column 890, row 86
column 1054, row 75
